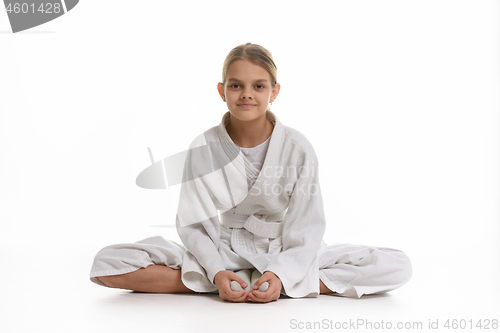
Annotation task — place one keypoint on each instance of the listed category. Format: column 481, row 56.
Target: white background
column 399, row 98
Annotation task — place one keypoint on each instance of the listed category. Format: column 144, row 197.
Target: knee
column 405, row 261
column 405, row 266
column 398, row 263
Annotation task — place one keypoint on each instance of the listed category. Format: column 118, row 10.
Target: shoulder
column 297, row 140
column 204, row 138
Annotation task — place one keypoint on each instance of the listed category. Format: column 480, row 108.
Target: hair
column 253, row 53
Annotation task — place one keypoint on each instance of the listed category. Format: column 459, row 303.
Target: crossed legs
column 348, row 270
column 157, row 279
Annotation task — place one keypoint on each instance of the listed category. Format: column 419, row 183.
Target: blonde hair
column 254, row 53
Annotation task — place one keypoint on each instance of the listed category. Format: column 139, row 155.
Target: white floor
column 45, row 289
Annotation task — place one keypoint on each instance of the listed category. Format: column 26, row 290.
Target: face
column 248, row 90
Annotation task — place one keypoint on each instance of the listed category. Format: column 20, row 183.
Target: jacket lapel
column 271, row 160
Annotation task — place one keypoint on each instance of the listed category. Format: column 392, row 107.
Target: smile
column 246, row 106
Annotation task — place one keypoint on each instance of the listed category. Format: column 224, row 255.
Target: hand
column 272, row 293
column 223, row 280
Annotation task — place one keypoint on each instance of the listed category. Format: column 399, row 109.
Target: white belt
column 268, row 226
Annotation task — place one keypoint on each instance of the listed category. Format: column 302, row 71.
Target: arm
column 202, row 240
column 197, row 219
column 199, row 242
column 198, row 225
column 304, row 225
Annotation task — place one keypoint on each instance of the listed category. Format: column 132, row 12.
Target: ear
column 275, row 92
column 220, row 88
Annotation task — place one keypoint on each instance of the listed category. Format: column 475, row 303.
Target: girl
column 250, row 213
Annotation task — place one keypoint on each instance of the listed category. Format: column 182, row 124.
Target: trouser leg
column 354, row 270
column 129, row 257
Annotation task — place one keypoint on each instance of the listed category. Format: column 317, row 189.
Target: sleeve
column 304, row 225
column 197, row 218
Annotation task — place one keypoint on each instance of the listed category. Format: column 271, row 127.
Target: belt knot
column 268, row 226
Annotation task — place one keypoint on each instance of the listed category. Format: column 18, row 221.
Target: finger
column 235, row 286
column 260, row 297
column 235, row 296
column 270, row 294
column 263, row 294
column 235, row 277
column 263, row 287
column 228, row 290
column 239, row 299
column 260, row 281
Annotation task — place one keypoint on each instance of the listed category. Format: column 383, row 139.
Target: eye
column 259, row 86
column 235, row 86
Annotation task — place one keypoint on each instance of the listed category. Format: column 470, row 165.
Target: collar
column 273, row 151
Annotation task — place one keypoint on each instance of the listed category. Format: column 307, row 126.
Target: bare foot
column 324, row 289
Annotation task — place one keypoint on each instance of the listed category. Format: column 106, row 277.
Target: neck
column 251, row 133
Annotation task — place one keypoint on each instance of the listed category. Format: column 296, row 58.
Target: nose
column 246, row 94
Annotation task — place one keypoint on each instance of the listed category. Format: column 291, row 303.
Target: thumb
column 263, row 282
column 266, row 277
column 235, row 277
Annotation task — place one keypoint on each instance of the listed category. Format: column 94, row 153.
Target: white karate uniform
column 237, row 213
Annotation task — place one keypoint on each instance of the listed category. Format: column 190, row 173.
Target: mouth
column 247, row 106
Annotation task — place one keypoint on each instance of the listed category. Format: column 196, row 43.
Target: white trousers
column 348, row 270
